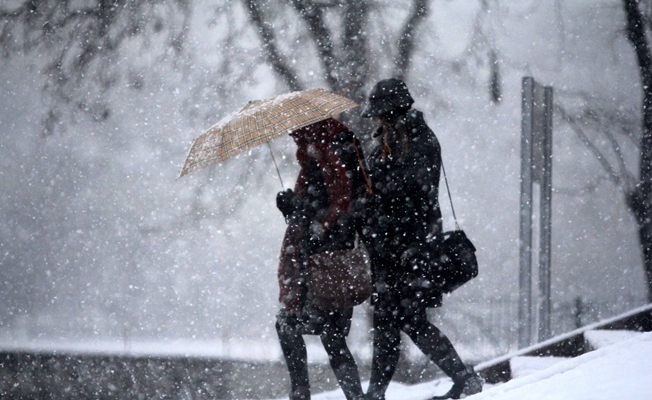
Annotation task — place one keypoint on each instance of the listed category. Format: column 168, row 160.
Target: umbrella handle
column 276, row 165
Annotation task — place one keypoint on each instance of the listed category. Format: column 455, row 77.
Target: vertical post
column 536, row 167
column 546, row 218
column 525, row 228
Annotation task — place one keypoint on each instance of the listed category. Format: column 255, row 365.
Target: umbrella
column 261, row 121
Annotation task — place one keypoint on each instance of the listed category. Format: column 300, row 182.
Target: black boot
column 464, row 385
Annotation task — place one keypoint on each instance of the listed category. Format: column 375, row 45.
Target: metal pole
column 546, row 219
column 276, row 165
column 525, row 243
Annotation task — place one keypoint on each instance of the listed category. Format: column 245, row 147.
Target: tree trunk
column 640, row 198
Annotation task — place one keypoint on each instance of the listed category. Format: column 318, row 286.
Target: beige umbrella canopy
column 261, row 121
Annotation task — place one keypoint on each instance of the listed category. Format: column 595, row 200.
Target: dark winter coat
column 403, row 216
column 319, row 209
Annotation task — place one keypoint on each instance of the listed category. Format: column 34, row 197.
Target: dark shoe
column 470, row 384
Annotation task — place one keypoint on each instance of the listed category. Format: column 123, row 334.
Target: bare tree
column 639, row 197
column 80, row 44
column 604, row 131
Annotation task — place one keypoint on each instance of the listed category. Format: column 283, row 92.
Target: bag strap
column 443, row 170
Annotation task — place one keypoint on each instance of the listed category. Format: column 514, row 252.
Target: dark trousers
column 392, row 317
column 332, row 329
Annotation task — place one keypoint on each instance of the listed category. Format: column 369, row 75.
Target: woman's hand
column 286, row 202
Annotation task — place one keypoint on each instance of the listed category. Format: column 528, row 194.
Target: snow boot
column 468, row 384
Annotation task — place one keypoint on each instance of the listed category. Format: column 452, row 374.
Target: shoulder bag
column 459, row 262
column 339, row 279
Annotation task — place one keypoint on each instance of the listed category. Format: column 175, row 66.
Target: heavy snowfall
column 103, row 249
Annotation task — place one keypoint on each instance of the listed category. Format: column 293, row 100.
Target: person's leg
column 296, row 358
column 439, row 349
column 433, row 342
column 343, row 364
column 386, row 351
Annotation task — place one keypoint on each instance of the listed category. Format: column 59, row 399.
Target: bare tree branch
column 274, row 57
column 81, row 43
column 355, row 49
column 407, row 37
column 321, row 36
column 606, row 124
column 622, row 178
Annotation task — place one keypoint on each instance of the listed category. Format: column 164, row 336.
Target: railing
column 488, row 328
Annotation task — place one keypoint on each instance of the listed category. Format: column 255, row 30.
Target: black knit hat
column 387, row 95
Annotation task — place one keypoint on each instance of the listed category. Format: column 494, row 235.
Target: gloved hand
column 367, row 201
column 286, row 202
column 372, row 200
column 368, row 207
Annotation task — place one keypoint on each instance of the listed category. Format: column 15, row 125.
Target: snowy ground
column 620, row 368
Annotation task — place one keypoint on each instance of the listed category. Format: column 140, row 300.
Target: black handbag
column 458, row 263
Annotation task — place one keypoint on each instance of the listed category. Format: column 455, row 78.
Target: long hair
column 394, row 138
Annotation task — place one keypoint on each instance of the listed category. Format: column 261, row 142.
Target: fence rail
column 484, row 332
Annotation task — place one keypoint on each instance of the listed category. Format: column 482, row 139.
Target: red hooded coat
column 313, row 142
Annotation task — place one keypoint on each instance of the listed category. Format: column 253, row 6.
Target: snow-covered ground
column 620, row 368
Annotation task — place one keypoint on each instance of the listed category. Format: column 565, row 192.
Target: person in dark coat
column 318, row 213
column 403, row 233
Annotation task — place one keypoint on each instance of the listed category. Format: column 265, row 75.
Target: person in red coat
column 319, row 218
